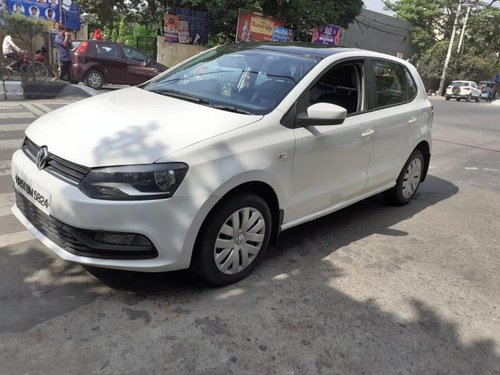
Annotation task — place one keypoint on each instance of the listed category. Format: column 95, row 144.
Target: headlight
column 134, row 182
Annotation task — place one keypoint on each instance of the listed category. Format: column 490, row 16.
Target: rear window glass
column 108, row 50
column 393, row 83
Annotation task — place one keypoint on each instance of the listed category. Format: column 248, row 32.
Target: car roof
column 304, row 49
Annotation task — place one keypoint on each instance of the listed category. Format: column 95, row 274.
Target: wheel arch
column 260, row 188
column 425, row 149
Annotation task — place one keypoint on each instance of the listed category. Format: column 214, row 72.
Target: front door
column 330, row 162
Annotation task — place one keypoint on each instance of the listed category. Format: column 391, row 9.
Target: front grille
column 79, row 241
column 56, row 166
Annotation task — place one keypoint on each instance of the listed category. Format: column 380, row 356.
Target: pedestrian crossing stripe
column 13, row 127
column 15, row 238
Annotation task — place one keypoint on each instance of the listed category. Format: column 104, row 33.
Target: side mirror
column 322, row 114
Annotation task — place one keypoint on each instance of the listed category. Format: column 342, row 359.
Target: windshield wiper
column 230, row 109
column 181, row 95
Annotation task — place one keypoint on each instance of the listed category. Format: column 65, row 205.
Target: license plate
column 39, row 197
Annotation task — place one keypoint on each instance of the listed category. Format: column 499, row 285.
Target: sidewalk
column 18, row 90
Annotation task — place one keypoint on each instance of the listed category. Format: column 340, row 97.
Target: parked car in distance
column 467, row 90
column 97, row 62
column 485, row 87
column 204, row 165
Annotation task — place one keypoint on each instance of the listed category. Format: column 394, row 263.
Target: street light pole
column 448, row 55
column 463, row 30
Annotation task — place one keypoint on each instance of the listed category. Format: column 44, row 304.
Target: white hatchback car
column 466, row 90
column 205, row 164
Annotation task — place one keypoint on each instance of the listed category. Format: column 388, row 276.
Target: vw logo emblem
column 42, row 157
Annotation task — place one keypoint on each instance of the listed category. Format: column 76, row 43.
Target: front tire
column 233, row 239
column 408, row 181
column 94, row 79
column 38, row 71
column 447, row 98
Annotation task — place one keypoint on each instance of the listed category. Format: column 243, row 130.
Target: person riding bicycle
column 12, row 52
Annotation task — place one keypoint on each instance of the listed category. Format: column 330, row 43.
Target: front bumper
column 166, row 223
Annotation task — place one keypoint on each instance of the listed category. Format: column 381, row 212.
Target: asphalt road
column 371, row 289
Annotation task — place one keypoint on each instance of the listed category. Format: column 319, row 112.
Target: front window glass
column 239, row 79
column 133, row 54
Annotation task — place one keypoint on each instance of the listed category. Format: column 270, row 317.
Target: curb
column 16, row 90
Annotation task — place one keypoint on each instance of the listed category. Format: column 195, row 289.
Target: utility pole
column 450, row 47
column 459, row 49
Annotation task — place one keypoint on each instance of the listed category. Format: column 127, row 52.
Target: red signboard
column 254, row 27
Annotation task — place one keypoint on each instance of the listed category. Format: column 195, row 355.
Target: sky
column 376, row 5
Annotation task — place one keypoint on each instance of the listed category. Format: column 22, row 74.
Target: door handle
column 412, row 121
column 367, row 133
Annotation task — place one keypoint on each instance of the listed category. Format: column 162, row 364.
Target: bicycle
column 28, row 69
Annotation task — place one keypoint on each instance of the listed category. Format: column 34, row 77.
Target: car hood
column 129, row 126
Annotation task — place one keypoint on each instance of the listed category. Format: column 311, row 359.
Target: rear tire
column 94, row 79
column 233, row 239
column 408, row 181
column 447, row 98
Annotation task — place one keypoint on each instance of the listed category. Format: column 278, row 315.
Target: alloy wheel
column 94, row 80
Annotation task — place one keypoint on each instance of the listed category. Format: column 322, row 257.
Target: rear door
column 392, row 102
column 110, row 59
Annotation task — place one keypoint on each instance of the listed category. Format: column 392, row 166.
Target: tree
column 108, row 12
column 300, row 15
column 432, row 24
column 25, row 28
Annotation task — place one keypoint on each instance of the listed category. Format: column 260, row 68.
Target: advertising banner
column 280, row 34
column 328, row 34
column 254, row 27
column 70, row 17
column 171, row 24
column 47, row 9
column 188, row 26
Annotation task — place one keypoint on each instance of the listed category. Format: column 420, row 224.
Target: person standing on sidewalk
column 63, row 44
column 12, row 52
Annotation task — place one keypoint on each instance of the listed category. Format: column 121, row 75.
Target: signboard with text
column 188, row 26
column 254, row 27
column 47, row 9
column 328, row 34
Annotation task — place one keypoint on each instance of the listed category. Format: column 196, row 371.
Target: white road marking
column 32, row 108
column 43, row 107
column 490, row 169
column 15, row 238
column 10, row 144
column 13, row 127
column 7, row 200
column 5, row 167
column 26, row 115
column 471, row 168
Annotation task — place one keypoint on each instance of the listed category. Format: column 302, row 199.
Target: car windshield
column 235, row 78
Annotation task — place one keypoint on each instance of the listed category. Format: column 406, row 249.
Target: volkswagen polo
column 204, row 165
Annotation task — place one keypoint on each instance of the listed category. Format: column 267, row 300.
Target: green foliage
column 300, row 15
column 432, row 25
column 468, row 66
column 25, row 28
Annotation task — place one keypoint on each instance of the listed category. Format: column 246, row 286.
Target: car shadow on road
column 327, row 234
column 301, row 323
